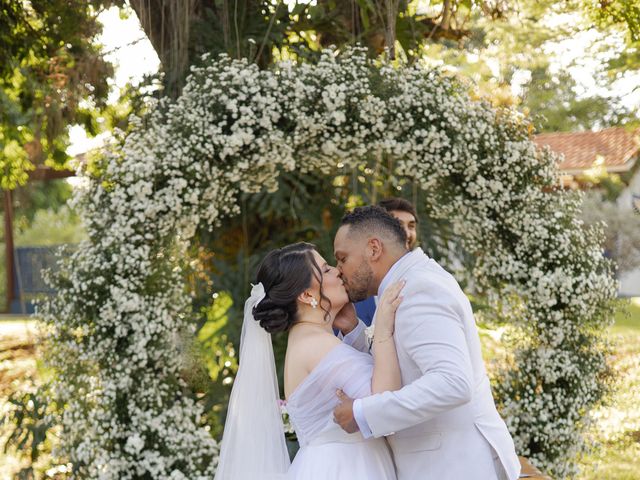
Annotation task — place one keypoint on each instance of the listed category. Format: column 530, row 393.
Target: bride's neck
column 318, row 319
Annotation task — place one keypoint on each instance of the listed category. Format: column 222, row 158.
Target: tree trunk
column 8, row 239
column 167, row 25
column 446, row 15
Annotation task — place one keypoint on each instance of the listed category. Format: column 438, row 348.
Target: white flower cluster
column 116, row 322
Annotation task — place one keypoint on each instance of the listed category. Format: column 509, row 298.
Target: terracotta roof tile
column 617, row 146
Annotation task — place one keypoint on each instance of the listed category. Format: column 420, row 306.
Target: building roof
column 614, row 148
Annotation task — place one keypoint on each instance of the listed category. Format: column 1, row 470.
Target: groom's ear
column 374, row 249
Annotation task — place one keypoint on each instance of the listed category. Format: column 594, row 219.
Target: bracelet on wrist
column 383, row 340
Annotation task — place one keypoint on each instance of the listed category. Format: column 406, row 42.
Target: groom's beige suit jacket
column 443, row 423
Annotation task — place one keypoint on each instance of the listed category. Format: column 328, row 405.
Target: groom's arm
column 430, row 330
column 356, row 337
column 351, row 330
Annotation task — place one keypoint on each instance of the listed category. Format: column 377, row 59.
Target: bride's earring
column 314, row 303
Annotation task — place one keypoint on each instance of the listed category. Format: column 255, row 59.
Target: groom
column 443, row 423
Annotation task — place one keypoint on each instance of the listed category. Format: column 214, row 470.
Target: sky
column 133, row 57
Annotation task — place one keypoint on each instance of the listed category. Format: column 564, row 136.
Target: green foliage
column 553, row 100
column 251, row 30
column 35, row 196
column 218, row 356
column 49, row 68
column 133, row 99
column 489, row 42
column 628, row 317
column 617, row 12
column 216, row 319
column 52, row 228
column 29, row 423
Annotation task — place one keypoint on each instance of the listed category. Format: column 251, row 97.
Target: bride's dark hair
column 285, row 273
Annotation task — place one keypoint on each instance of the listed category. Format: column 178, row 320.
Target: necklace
column 318, row 326
column 307, row 323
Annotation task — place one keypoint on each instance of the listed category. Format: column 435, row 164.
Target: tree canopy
column 490, row 42
column 52, row 74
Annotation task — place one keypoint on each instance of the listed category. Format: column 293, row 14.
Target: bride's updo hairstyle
column 285, row 273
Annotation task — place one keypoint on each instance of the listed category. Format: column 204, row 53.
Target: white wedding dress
column 326, row 451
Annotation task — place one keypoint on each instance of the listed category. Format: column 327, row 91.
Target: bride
column 298, row 292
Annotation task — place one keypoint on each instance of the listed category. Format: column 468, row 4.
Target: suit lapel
column 399, row 270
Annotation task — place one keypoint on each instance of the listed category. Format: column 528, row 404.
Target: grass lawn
column 617, row 430
column 618, row 435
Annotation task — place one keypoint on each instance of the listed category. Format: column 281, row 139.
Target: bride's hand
column 386, row 310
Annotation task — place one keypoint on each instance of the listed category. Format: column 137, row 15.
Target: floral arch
column 121, row 302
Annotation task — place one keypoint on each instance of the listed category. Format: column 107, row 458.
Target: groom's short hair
column 375, row 219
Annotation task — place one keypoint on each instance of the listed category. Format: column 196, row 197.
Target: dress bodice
column 311, row 404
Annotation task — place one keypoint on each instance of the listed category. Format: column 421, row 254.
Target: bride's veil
column 253, row 443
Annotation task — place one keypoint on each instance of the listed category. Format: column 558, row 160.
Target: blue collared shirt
column 366, row 310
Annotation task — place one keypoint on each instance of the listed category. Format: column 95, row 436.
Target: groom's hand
column 343, row 413
column 346, row 319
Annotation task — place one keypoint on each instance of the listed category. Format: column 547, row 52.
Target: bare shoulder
column 309, row 349
column 305, row 350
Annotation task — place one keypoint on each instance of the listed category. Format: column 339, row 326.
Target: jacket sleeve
column 429, row 328
column 356, row 337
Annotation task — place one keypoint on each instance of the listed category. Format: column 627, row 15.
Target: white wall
column 630, row 283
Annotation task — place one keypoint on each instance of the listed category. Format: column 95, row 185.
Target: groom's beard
column 358, row 285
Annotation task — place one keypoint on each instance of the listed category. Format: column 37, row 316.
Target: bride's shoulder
column 309, row 349
column 320, row 342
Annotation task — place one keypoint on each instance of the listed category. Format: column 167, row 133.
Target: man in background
column 405, row 212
